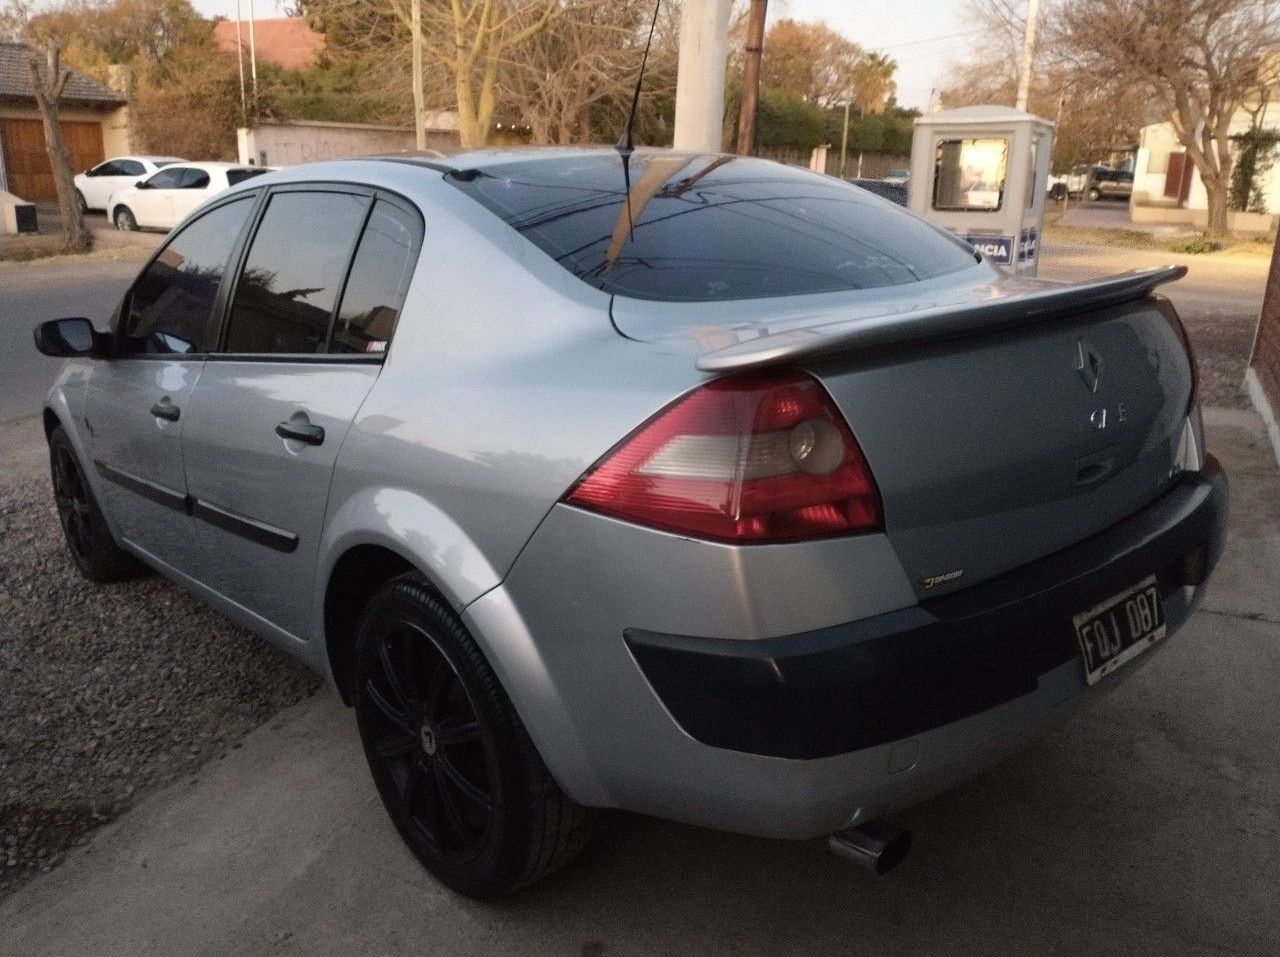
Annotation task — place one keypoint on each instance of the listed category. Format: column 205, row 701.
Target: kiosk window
column 969, row 174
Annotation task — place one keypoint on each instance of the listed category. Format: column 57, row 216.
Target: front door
column 137, row 402
column 270, row 412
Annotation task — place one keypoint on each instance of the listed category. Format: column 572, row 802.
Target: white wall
column 288, row 144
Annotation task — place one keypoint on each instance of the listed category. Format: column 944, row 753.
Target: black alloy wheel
column 456, row 770
column 93, row 551
column 75, row 510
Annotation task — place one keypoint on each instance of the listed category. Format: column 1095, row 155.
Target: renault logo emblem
column 1089, row 366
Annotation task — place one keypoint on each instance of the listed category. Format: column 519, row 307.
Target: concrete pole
column 751, row 78
column 244, row 110
column 1028, row 54
column 704, row 50
column 253, row 63
column 419, row 110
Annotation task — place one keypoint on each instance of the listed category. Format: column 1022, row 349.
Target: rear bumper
column 892, row 676
column 799, row 736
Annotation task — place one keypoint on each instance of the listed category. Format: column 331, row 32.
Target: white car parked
column 166, row 198
column 95, row 186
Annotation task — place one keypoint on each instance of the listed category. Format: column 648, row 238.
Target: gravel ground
column 109, row 692
column 1222, row 343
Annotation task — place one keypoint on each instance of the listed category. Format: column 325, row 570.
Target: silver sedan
column 697, row 486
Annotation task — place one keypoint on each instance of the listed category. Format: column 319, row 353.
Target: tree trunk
column 48, row 91
column 1218, row 194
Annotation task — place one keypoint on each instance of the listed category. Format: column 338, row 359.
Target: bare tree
column 48, row 88
column 1201, row 60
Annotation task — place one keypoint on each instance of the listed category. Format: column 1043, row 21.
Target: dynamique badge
column 1089, row 366
column 932, row 580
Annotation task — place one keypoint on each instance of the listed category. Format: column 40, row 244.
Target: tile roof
column 286, row 41
column 15, row 80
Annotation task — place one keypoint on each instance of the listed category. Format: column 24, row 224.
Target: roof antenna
column 625, row 146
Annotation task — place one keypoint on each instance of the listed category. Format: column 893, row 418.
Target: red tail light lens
column 749, row 459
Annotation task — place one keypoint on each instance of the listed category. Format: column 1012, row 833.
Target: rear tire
column 124, row 219
column 454, row 766
column 93, row 551
column 80, row 201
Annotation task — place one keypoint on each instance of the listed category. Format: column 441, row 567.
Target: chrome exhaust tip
column 877, row 846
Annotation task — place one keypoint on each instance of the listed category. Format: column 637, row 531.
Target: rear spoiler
column 938, row 322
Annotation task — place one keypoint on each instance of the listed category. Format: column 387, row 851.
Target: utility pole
column 704, row 48
column 844, row 138
column 253, row 62
column 419, row 110
column 751, row 78
column 244, row 110
column 1028, row 54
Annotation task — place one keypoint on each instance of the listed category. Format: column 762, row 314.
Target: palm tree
column 873, row 82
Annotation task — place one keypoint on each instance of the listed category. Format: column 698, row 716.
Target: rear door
column 194, row 187
column 309, row 321
column 106, row 178
column 136, row 402
column 152, row 201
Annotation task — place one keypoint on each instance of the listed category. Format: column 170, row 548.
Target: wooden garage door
column 27, row 164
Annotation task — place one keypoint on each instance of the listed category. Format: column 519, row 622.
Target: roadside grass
column 24, row 248
column 1187, row 244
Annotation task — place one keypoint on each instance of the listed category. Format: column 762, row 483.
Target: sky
column 923, row 36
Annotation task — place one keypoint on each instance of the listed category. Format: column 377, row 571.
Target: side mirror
column 70, row 338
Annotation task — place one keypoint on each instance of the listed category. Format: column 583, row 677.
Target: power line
column 948, row 36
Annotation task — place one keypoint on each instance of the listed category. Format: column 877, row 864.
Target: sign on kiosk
column 983, row 172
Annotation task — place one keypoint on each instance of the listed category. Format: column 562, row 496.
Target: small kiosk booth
column 983, row 173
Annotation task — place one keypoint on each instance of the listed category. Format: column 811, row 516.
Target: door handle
column 300, row 432
column 164, row 409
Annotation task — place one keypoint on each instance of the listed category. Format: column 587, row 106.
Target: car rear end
column 892, row 531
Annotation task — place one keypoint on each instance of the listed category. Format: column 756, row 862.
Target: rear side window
column 706, row 228
column 194, row 179
column 289, row 286
column 237, row 176
column 378, row 282
column 166, row 179
column 171, row 303
column 130, row 168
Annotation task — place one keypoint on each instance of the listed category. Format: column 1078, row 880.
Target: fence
column 873, row 165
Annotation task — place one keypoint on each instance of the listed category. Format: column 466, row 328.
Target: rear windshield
column 705, row 228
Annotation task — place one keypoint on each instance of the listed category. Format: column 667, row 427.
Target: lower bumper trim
column 889, row 677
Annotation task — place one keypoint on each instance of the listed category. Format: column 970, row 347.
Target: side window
column 166, row 179
column 237, row 176
column 129, row 168
column 193, row 179
column 171, row 303
column 109, row 168
column 286, row 294
column 379, row 279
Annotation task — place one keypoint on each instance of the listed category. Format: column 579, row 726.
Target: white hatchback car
column 165, row 199
column 95, row 186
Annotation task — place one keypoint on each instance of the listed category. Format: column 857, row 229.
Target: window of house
column 969, row 174
column 170, row 305
column 286, row 294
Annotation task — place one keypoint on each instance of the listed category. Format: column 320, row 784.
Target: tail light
column 748, row 459
column 1171, row 316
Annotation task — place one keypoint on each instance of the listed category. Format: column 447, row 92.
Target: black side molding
column 255, row 531
column 160, row 494
column 250, row 528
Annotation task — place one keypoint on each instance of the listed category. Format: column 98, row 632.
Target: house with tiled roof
column 93, row 116
column 288, row 42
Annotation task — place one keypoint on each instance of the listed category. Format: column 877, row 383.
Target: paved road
column 33, row 292
column 1146, row 825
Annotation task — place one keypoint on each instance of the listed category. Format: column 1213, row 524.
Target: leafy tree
column 809, row 60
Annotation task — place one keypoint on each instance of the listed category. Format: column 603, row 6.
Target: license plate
column 1119, row 629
